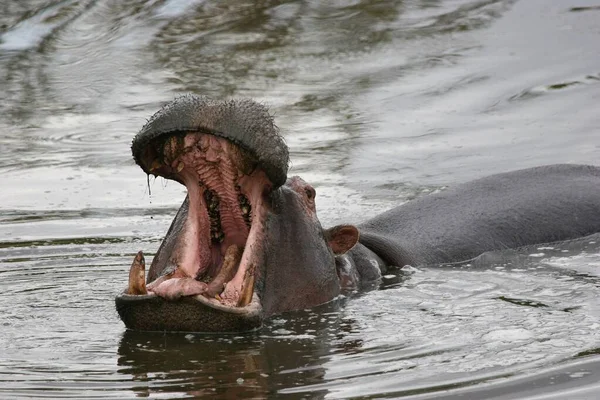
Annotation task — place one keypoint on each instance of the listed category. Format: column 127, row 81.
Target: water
column 380, row 102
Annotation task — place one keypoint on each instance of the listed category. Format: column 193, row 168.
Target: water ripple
column 555, row 88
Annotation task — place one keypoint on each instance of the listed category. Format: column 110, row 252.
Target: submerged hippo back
column 531, row 206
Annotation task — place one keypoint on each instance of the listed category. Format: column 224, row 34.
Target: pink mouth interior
column 225, row 190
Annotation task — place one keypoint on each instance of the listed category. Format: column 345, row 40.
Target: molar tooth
column 180, row 167
column 172, row 148
column 217, row 236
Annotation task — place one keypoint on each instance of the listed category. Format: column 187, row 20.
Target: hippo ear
column 341, row 238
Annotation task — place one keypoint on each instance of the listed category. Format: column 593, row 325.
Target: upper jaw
column 243, row 122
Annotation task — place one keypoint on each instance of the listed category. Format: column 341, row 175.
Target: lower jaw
column 188, row 314
column 142, row 310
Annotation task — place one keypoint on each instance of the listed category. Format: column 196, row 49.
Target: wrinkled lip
column 150, row 312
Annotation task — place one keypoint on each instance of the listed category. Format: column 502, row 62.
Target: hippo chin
column 246, row 242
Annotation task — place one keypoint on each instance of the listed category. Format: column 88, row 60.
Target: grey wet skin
column 537, row 205
column 300, row 265
column 244, row 122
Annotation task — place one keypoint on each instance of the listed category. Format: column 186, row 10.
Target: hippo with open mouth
column 247, row 244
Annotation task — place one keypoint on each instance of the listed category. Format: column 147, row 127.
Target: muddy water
column 380, row 102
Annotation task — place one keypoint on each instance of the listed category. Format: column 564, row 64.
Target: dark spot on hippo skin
column 310, row 192
column 589, row 8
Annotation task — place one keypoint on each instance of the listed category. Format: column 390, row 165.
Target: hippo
column 246, row 243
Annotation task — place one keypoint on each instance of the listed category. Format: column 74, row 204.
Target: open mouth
column 215, row 253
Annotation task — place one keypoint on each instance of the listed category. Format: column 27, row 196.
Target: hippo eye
column 310, row 193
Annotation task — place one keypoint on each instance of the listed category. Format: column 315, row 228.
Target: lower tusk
column 232, row 259
column 137, row 279
column 247, row 287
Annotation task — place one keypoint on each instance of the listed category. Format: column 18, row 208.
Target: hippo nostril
column 310, row 193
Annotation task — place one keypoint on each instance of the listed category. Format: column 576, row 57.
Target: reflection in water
column 380, row 102
column 290, row 351
column 193, row 365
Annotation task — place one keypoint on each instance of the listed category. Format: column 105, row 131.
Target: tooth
column 171, row 148
column 245, row 210
column 155, row 165
column 137, row 282
column 180, row 167
column 232, row 258
column 247, row 288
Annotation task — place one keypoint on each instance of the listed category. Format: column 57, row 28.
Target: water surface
column 380, row 102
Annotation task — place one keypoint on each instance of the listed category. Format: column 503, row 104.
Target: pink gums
column 206, row 164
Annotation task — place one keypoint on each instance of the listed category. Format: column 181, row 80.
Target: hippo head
column 246, row 243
